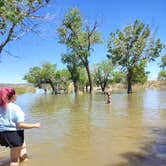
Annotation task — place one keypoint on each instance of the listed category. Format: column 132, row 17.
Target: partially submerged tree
column 83, row 79
column 16, row 18
column 103, row 74
column 132, row 47
column 45, row 74
column 48, row 75
column 34, row 76
column 63, row 79
column 73, row 64
column 79, row 37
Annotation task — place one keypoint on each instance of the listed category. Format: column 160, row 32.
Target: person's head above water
column 6, row 96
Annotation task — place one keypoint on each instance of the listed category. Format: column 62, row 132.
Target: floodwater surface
column 85, row 131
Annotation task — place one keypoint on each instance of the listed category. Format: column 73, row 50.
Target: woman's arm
column 28, row 125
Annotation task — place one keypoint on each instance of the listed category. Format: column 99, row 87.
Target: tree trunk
column 129, row 82
column 103, row 85
column 86, row 87
column 8, row 37
column 52, row 87
column 89, row 78
column 75, row 87
column 103, row 89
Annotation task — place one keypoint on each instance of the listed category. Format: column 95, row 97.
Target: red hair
column 5, row 95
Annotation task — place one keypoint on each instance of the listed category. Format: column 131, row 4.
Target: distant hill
column 14, row 85
column 153, row 84
column 20, row 88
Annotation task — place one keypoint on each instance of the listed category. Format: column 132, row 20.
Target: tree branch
column 8, row 38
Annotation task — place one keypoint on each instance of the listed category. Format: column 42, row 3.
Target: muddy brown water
column 85, row 131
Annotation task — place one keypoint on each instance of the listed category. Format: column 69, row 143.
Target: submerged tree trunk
column 129, row 82
column 86, row 87
column 52, row 87
column 75, row 87
column 89, row 78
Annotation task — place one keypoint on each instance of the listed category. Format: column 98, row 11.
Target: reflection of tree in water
column 50, row 104
column 83, row 102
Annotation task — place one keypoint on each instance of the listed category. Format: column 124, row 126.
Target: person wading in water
column 12, row 126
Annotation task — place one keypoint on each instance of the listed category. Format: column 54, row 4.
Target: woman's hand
column 37, row 125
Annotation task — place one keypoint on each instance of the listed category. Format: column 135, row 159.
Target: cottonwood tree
column 119, row 77
column 77, row 36
column 18, row 17
column 63, row 79
column 132, row 47
column 73, row 64
column 103, row 74
column 46, row 74
column 83, row 79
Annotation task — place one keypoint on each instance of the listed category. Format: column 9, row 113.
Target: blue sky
column 32, row 50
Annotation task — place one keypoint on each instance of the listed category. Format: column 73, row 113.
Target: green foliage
column 79, row 37
column 46, row 75
column 75, row 35
column 103, row 74
column 132, row 48
column 83, row 79
column 63, row 78
column 163, row 59
column 48, row 71
column 119, row 77
column 34, row 76
column 74, row 67
column 162, row 75
column 41, row 75
column 139, row 73
column 15, row 16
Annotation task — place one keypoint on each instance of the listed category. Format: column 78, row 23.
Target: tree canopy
column 45, row 74
column 16, row 18
column 103, row 74
column 132, row 48
column 79, row 37
column 162, row 73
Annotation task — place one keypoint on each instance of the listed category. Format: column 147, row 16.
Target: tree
column 103, row 74
column 79, row 38
column 73, row 64
column 48, row 75
column 45, row 74
column 16, row 18
column 119, row 77
column 162, row 73
column 139, row 73
column 132, row 47
column 34, row 76
column 163, row 62
column 63, row 79
column 83, row 79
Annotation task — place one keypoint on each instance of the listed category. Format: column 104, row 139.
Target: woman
column 12, row 126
